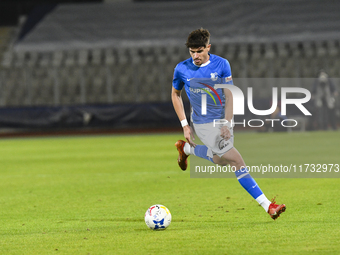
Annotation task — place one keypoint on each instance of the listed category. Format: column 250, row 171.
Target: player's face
column 200, row 55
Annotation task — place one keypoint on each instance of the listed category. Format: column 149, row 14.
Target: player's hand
column 225, row 133
column 189, row 135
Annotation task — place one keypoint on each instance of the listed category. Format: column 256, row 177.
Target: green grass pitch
column 88, row 195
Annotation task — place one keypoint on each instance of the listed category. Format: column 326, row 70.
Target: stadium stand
column 127, row 54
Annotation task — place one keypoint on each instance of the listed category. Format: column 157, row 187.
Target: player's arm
column 177, row 102
column 228, row 105
column 225, row 130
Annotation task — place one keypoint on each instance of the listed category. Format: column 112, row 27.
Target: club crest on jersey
column 214, row 76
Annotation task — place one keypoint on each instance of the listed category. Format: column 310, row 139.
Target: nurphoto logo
column 238, row 104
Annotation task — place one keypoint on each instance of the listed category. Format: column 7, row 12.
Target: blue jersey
column 199, row 82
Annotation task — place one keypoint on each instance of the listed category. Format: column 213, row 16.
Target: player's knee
column 220, row 161
column 224, row 163
column 237, row 162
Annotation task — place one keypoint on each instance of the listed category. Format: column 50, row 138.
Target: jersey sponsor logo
column 213, row 90
column 198, row 90
column 189, row 79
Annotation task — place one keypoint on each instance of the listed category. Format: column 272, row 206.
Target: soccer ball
column 157, row 217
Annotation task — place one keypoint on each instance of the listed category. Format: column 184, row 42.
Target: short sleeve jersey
column 199, row 80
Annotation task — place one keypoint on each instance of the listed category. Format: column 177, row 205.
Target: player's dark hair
column 198, row 38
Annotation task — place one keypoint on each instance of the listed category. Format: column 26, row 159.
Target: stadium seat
column 70, row 58
column 44, row 60
column 57, row 58
column 7, row 59
column 333, row 49
column 109, row 57
column 82, row 58
column 96, row 55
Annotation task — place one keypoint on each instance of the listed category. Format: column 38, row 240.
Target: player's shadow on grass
column 120, row 220
column 108, row 220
